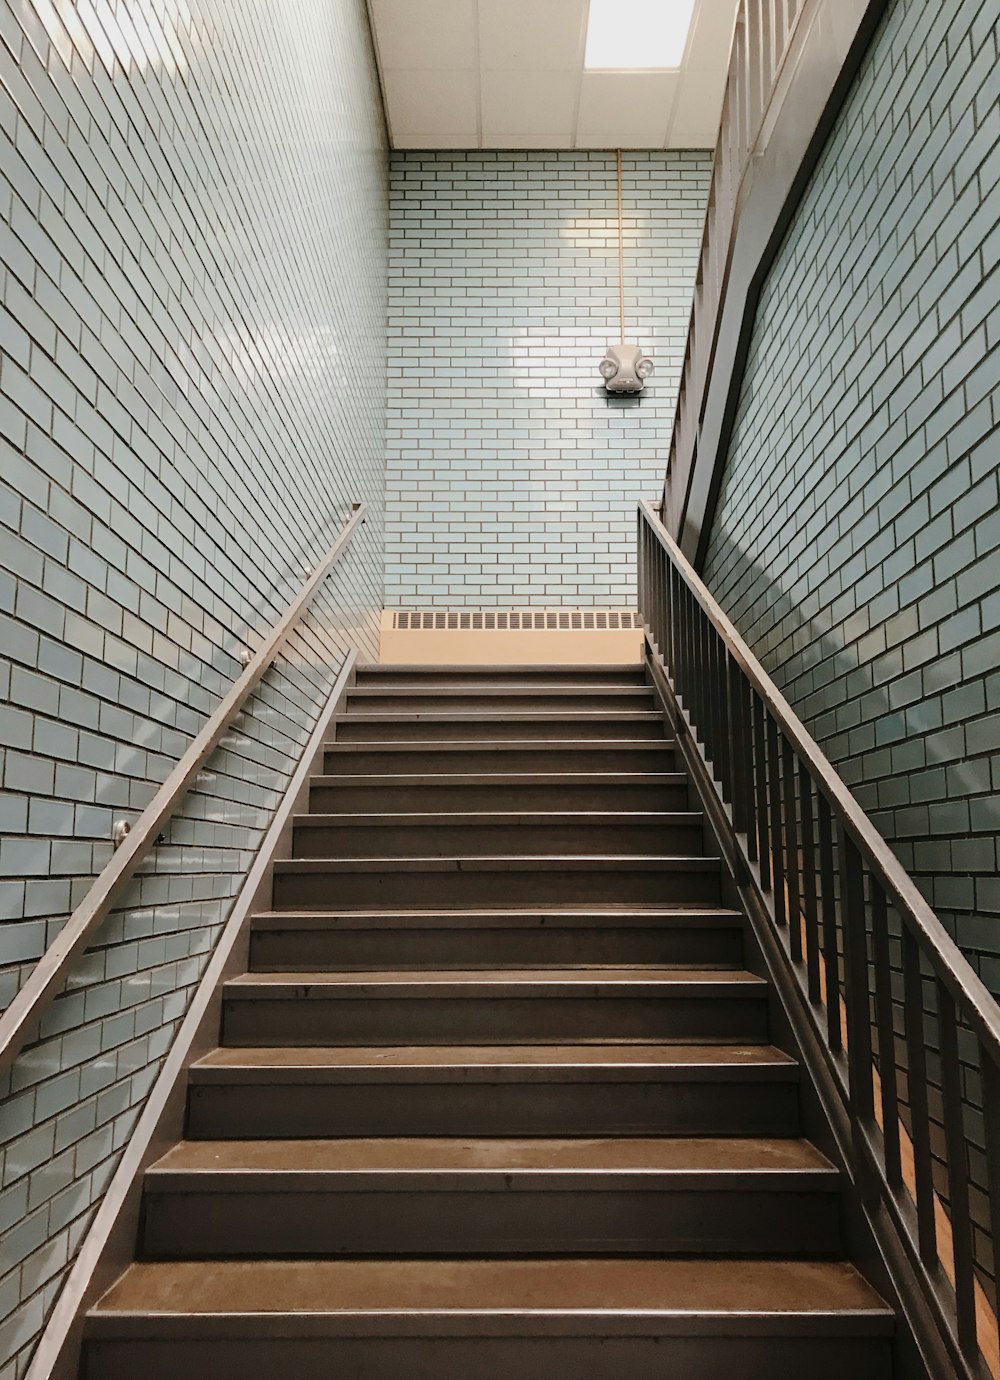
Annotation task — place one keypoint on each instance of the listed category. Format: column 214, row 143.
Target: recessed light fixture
column 642, row 34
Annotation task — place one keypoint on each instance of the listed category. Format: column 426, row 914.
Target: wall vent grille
column 515, row 620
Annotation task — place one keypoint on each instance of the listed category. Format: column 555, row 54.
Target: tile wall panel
column 512, row 479
column 192, row 276
column 857, row 537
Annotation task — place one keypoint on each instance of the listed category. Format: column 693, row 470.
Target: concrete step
column 498, row 834
column 306, row 941
column 530, row 1006
column 457, row 1319
column 537, row 726
column 469, row 1196
column 474, row 791
column 470, row 882
column 642, row 1088
column 569, row 754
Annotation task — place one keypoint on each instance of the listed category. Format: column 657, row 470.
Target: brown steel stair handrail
column 49, row 975
column 831, row 883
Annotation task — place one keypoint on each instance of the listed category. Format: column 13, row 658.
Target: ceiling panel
column 429, row 34
column 434, row 102
column 524, row 34
column 510, row 74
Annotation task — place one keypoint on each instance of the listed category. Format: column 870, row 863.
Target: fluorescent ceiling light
column 637, row 34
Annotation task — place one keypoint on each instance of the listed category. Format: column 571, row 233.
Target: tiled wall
column 857, row 539
column 193, row 232
column 512, row 479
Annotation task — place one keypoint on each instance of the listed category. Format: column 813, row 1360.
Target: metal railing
column 909, row 1031
column 762, row 38
column 22, row 1017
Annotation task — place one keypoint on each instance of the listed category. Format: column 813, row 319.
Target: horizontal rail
column 890, row 999
column 51, row 971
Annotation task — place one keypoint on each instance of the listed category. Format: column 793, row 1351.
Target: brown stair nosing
column 527, row 863
column 464, row 1064
column 708, row 917
column 498, row 691
column 484, row 818
column 331, row 781
column 499, row 984
column 502, row 668
column 501, row 745
column 511, row 716
column 682, row 1161
column 467, row 1297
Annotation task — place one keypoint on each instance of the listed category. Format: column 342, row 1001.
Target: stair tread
column 763, row 1155
column 626, row 1055
column 528, row 818
column 707, row 916
column 516, row 716
column 626, row 977
column 506, row 745
column 500, row 668
column 533, row 862
column 497, row 778
column 507, row 690
column 657, row 1286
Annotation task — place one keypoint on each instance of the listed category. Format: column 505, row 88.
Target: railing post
column 958, row 1172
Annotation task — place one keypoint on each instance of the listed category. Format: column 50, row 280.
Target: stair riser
column 431, row 799
column 542, row 758
column 238, row 1111
column 826, row 1356
column 496, row 840
column 459, row 890
column 489, row 677
column 191, row 1222
column 381, row 729
column 482, row 1020
column 312, row 950
column 511, row 702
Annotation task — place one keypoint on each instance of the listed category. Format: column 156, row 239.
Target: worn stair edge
column 666, row 1297
column 527, row 863
column 707, row 917
column 630, row 1061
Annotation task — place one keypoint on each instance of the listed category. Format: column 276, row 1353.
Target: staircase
column 497, row 1097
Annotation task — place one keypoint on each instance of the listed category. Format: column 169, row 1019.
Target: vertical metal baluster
column 990, row 1075
column 760, row 783
column 886, row 1036
column 739, row 747
column 745, row 703
column 777, row 844
column 791, row 851
column 671, row 656
column 704, row 684
column 916, row 1080
column 725, row 736
column 662, row 602
column 958, row 1172
column 831, row 958
column 809, row 908
column 859, row 1021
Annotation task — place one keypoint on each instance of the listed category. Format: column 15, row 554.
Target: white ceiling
column 501, row 74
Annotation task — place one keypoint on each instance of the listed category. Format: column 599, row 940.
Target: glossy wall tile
column 857, row 538
column 193, row 249
column 512, row 478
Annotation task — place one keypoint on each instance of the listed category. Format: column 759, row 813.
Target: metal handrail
column 51, row 971
column 833, row 881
